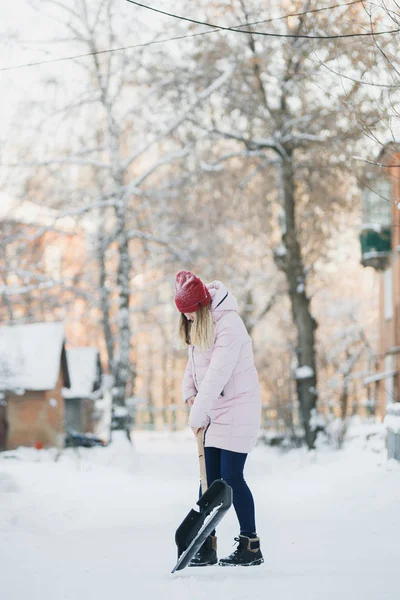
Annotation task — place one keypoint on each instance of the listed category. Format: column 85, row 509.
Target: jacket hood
column 222, row 300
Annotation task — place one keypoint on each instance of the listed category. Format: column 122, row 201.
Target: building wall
column 53, row 256
column 79, row 414
column 87, row 415
column 396, row 264
column 390, row 327
column 37, row 417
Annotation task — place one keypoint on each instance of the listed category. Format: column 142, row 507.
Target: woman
column 221, row 386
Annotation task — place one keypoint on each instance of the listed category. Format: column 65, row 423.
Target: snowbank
column 304, row 372
column 392, row 418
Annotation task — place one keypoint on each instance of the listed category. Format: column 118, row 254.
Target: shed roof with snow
column 31, row 356
column 85, row 372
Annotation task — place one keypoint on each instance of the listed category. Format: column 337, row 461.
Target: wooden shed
column 85, row 373
column 33, row 372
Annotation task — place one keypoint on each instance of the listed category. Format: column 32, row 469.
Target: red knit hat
column 190, row 292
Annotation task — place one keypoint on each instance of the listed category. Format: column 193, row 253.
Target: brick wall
column 87, row 415
column 396, row 263
column 36, row 417
column 390, row 329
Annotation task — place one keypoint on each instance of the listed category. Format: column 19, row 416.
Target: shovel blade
column 198, row 524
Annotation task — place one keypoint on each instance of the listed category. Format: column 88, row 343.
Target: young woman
column 221, row 386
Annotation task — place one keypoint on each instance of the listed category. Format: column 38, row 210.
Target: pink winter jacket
column 224, row 380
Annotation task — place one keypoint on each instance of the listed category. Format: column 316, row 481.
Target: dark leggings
column 227, row 465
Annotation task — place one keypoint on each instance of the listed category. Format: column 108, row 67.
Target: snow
column 378, row 377
column 304, row 372
column 392, row 418
column 134, row 400
column 100, row 523
column 373, row 254
column 393, row 409
column 83, row 372
column 317, row 420
column 207, row 167
column 33, row 213
column 120, row 411
column 372, row 227
column 392, row 423
column 280, row 250
column 30, row 356
column 183, row 280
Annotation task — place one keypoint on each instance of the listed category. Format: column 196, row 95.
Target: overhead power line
column 264, row 33
column 96, row 52
column 175, row 38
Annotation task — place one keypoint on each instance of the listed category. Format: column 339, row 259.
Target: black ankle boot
column 207, row 553
column 247, row 553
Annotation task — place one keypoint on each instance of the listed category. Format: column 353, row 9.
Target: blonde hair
column 200, row 331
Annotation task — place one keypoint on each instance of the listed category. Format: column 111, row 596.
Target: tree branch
column 219, row 82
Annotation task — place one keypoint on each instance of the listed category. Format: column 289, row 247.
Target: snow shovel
column 201, row 521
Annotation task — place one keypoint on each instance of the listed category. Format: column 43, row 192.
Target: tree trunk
column 149, row 386
column 174, row 403
column 121, row 370
column 105, row 296
column 165, row 386
column 293, row 267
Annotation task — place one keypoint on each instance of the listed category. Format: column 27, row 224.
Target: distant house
column 85, row 372
column 380, row 249
column 43, row 257
column 33, row 372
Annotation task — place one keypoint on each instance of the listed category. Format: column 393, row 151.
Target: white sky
column 24, row 38
column 18, row 17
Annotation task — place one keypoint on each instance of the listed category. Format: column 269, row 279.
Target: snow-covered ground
column 102, row 526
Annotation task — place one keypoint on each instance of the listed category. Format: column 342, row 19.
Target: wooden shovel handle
column 202, row 460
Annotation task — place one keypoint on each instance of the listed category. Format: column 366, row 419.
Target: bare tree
column 109, row 167
column 285, row 111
